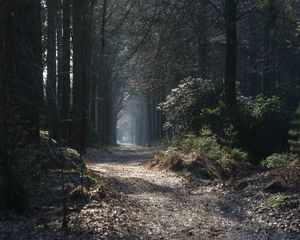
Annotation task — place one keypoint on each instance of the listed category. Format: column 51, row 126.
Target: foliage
column 279, row 160
column 183, row 105
column 295, row 135
column 193, row 105
column 268, row 122
column 204, row 156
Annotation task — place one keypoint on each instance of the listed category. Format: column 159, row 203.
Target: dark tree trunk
column 27, row 89
column 231, row 54
column 51, row 70
column 269, row 73
column 66, row 85
column 59, row 39
column 77, row 77
column 253, row 78
column 21, row 82
column 202, row 40
column 82, row 22
column 6, row 73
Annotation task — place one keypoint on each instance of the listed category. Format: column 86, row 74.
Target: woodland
column 149, row 119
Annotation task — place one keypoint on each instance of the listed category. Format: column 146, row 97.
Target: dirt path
column 172, row 210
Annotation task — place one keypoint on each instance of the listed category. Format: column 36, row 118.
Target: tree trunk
column 59, row 40
column 77, row 77
column 27, row 90
column 66, row 86
column 51, row 70
column 82, row 22
column 231, row 54
column 202, row 40
column 269, row 73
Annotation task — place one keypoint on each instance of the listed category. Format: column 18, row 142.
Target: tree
column 51, row 70
column 231, row 54
column 66, row 85
column 21, row 83
column 82, row 22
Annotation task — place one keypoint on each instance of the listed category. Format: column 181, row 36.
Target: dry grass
column 198, row 165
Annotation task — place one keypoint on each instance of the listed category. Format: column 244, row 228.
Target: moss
column 275, row 201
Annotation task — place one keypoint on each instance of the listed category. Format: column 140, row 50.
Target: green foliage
column 260, row 126
column 254, row 129
column 263, row 125
column 204, row 155
column 295, row 135
column 265, row 107
column 210, row 145
column 279, row 160
column 275, row 201
column 185, row 102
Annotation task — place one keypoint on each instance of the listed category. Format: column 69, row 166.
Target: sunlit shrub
column 203, row 155
column 185, row 102
column 279, row 160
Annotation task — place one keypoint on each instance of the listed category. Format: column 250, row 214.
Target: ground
column 173, row 209
column 127, row 200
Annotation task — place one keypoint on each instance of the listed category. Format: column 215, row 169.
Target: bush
column 260, row 126
column 203, row 155
column 269, row 128
column 279, row 160
column 185, row 102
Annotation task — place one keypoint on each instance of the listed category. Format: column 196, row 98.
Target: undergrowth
column 203, row 156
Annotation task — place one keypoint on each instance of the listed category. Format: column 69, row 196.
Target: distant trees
column 101, row 57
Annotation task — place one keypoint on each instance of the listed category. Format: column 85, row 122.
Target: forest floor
column 124, row 199
column 170, row 207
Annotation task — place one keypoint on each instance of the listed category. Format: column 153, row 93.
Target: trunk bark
column 66, row 86
column 231, row 54
column 51, row 71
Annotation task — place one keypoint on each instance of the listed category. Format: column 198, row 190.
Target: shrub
column 279, row 160
column 185, row 102
column 202, row 155
column 260, row 126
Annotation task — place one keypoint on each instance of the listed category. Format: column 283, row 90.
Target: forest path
column 171, row 209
